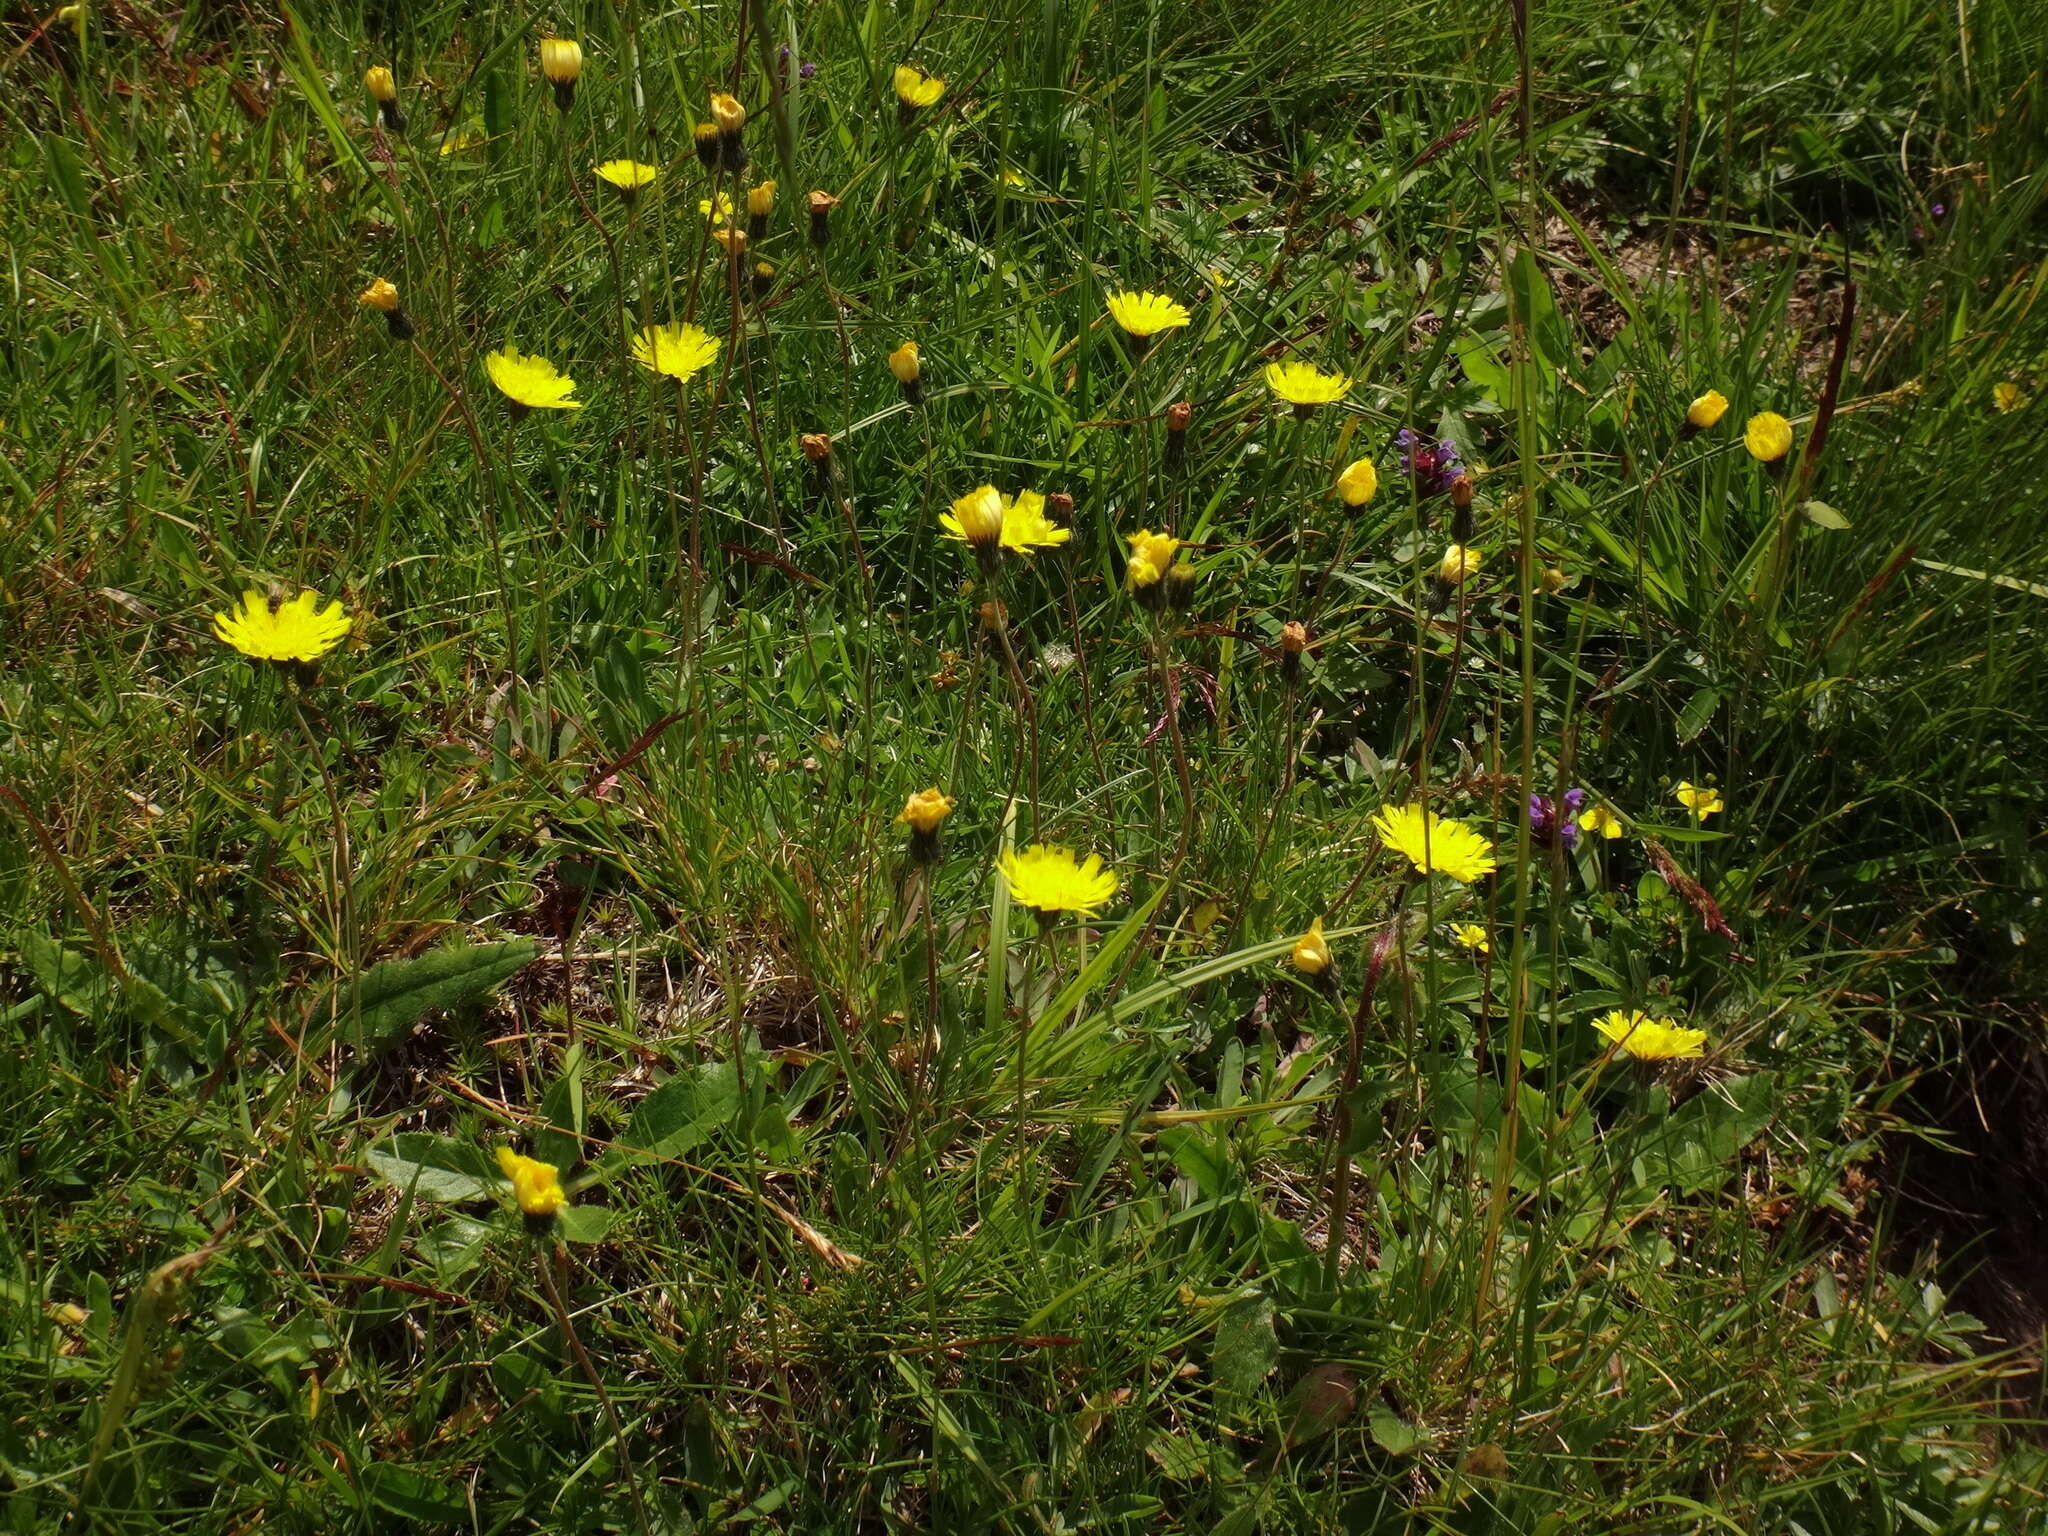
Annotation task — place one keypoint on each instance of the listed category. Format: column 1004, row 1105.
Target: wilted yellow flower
column 976, row 517
column 1648, row 1039
column 1599, row 821
column 1145, row 315
column 726, row 112
column 1359, row 483
column 378, row 82
column 1434, row 845
column 915, row 88
column 924, row 811
column 1701, row 802
column 531, row 381
column 733, row 241
column 1053, row 880
column 299, row 630
column 1705, row 411
column 1311, row 952
column 1151, row 556
column 627, row 177
column 761, row 200
column 1304, row 385
column 536, row 1185
column 1458, row 563
column 679, row 351
column 2006, row 396
column 1472, row 938
column 1768, row 437
column 381, row 295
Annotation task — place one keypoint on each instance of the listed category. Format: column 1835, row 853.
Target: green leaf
column 1822, row 515
column 399, row 993
column 438, row 1167
column 414, row 1496
column 583, row 1223
column 64, row 173
column 680, row 1113
column 1394, row 1435
column 1246, row 1346
column 69, row 979
column 1695, row 1148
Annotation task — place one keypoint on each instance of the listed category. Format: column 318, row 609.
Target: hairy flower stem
column 544, row 1262
column 1347, row 1088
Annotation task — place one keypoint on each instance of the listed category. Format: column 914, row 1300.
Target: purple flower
column 1550, row 829
column 1432, row 466
column 807, row 69
column 1940, row 210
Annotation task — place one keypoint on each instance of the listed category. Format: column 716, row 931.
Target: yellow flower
column 718, row 212
column 561, row 60
column 1434, row 845
column 628, row 176
column 1472, row 938
column 1145, row 315
column 1768, row 437
column 378, row 82
column 904, row 364
column 298, row 630
column 536, row 1185
column 1050, row 880
column 381, row 295
column 1551, row 582
column 1311, row 952
column 1706, row 410
column 459, row 140
column 1359, row 483
column 1701, row 802
column 727, row 113
column 1649, row 1039
column 1304, row 384
column 915, row 88
column 924, row 811
column 1151, row 556
column 1026, row 528
column 976, row 517
column 761, row 200
column 679, row 351
column 531, row 381
column 1013, row 178
column 1600, row 822
column 2006, row 396
column 1458, row 563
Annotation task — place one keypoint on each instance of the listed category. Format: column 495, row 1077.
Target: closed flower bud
column 382, row 296
column 1461, row 489
column 904, row 363
column 1768, row 437
column 561, row 62
column 924, row 813
column 817, row 446
column 1311, row 953
column 734, row 241
column 822, row 204
column 1458, row 563
column 1551, row 582
column 980, row 516
column 760, row 204
column 1293, row 642
column 384, row 91
column 994, row 616
column 1359, row 483
column 730, row 118
column 764, row 278
column 1177, row 417
column 1180, row 586
column 705, row 135
column 1059, row 504
column 1705, row 412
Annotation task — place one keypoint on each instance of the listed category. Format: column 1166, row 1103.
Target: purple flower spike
column 807, row 69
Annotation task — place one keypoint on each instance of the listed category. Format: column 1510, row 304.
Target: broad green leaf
column 69, row 979
column 1821, row 515
column 437, row 1167
column 1246, row 1346
column 1395, row 1435
column 679, row 1114
column 399, row 993
column 414, row 1496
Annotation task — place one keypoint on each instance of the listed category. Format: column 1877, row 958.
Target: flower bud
column 764, row 279
column 384, row 91
column 561, row 62
column 980, row 516
column 730, row 118
column 382, row 296
column 1768, row 437
column 1311, row 953
column 817, row 446
column 705, row 136
column 1551, row 582
column 822, row 204
column 733, row 240
column 1705, row 412
column 904, row 363
column 760, row 204
column 1180, row 584
column 1293, row 642
column 1058, row 504
column 994, row 616
column 1177, row 417
column 924, row 813
column 1458, row 563
column 1461, row 489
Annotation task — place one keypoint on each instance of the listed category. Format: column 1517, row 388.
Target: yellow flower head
column 2006, row 396
column 915, row 88
column 378, row 82
column 1471, row 938
column 628, row 176
column 1311, row 952
column 679, row 351
column 299, row 630
column 1434, row 845
column 1458, row 563
column 1649, row 1039
column 530, row 380
column 727, row 112
column 461, row 140
column 1701, row 802
column 733, row 241
column 561, row 60
column 1768, row 437
column 1146, row 314
column 976, row 517
column 536, row 1185
column 1151, row 556
column 1304, row 384
column 381, row 295
column 1599, row 821
column 1050, row 880
column 1359, row 483
column 761, row 200
column 904, row 364
column 1026, row 528
column 718, row 211
column 1552, row 581
column 1706, row 410
column 924, row 811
